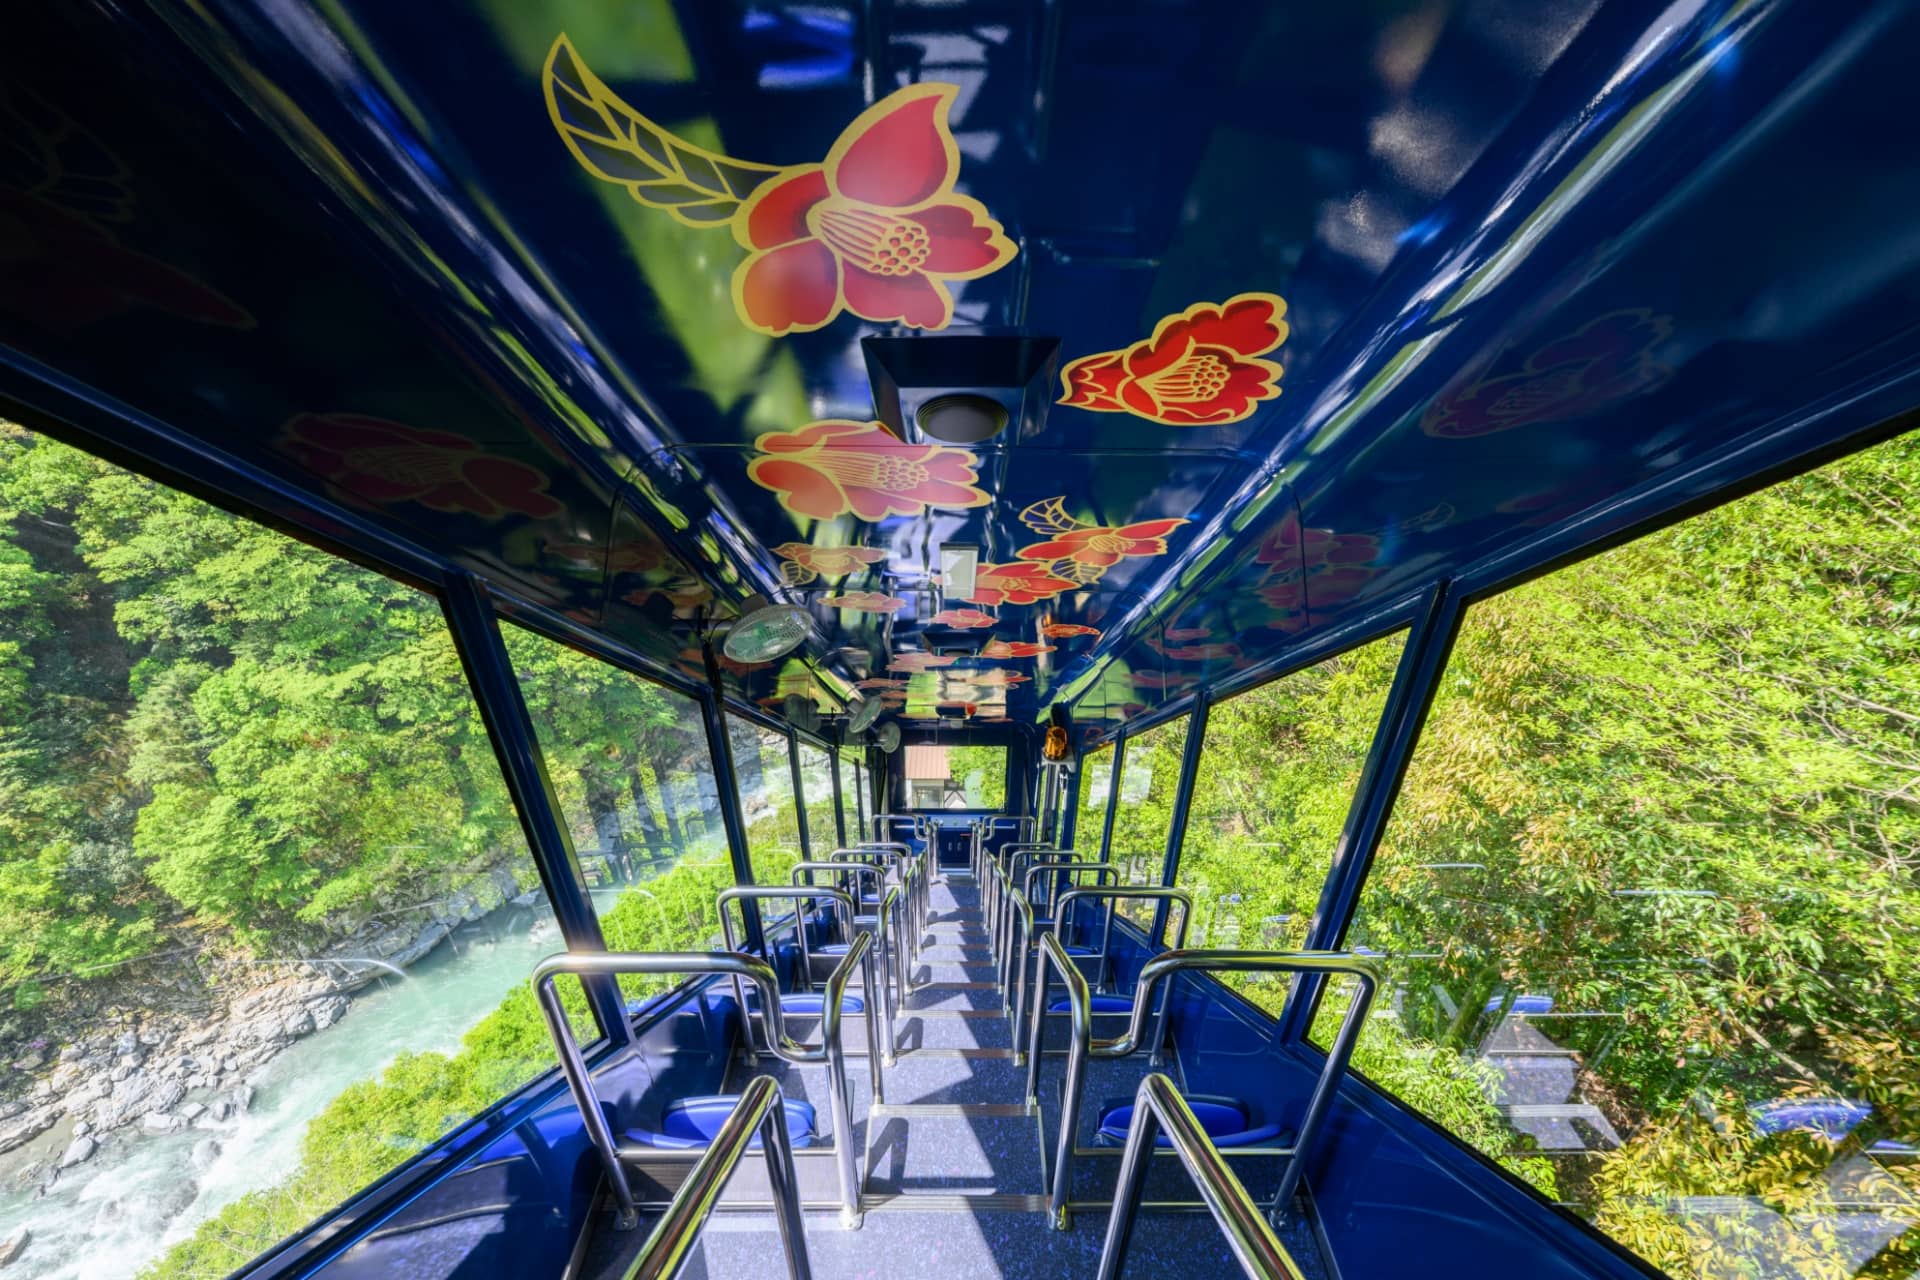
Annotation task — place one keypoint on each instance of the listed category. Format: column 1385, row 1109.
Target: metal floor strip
column 949, row 1202
column 954, row 1053
column 952, row 1110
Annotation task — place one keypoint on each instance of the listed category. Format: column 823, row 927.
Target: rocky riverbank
column 147, row 1071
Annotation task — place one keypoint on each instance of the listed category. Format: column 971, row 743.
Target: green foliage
column 982, row 773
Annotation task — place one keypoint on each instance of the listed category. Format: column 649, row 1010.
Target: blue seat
column 1102, row 1002
column 694, row 1122
column 1225, row 1120
column 810, row 1004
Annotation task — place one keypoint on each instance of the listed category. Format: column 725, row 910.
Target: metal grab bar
column 1366, row 970
column 761, row 1109
column 1007, row 858
column 889, row 903
column 1019, row 916
column 1110, row 894
column 676, row 964
column 1158, row 1104
column 1066, row 869
column 832, row 1011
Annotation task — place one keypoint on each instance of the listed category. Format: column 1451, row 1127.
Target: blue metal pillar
column 1182, row 801
column 799, row 793
column 1113, row 798
column 1422, row 663
column 839, row 801
column 483, row 652
column 727, row 783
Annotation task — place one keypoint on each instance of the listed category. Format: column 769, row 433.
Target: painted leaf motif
column 617, row 144
column 1050, row 517
column 1076, row 571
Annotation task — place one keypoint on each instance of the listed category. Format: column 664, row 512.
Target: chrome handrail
column 573, row 1065
column 1082, row 1047
column 1019, row 916
column 761, row 1109
column 1157, row 1105
column 1069, row 867
column 858, row 872
column 1112, row 894
column 1007, row 857
column 802, row 896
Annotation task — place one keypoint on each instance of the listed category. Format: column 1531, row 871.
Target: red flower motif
column 1014, row 649
column 916, row 661
column 1101, row 547
column 1312, row 568
column 385, row 462
column 1194, row 652
column 806, row 563
column 890, row 685
column 1180, row 635
column 1022, row 583
column 1164, row 681
column 1200, row 368
column 960, row 618
column 1067, row 630
column 865, row 602
column 876, row 230
column 1607, row 359
column 833, row 467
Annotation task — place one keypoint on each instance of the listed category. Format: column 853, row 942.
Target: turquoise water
column 141, row 1194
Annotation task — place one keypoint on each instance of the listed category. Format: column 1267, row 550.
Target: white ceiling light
column 959, row 563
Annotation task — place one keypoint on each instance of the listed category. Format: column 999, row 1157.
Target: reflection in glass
column 1150, row 775
column 1096, row 786
column 816, row 790
column 1648, row 892
column 761, row 762
column 1277, row 775
column 629, row 763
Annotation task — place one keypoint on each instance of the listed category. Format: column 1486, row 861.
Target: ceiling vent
column 962, row 388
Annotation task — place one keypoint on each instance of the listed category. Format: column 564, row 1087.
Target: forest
column 1654, row 860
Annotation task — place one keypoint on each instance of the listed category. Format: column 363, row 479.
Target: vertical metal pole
column 483, row 652
column 839, row 802
column 799, row 793
column 1113, row 799
column 1422, row 663
column 1182, row 801
column 727, row 782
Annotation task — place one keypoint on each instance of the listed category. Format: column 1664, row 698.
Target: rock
column 79, row 1153
column 72, row 1053
column 162, row 1122
column 327, row 1010
column 242, row 1099
column 204, row 1036
column 298, row 1023
column 220, row 1110
column 205, row 1152
column 430, row 937
column 121, row 1070
column 82, row 1129
column 9, row 1110
column 197, row 1080
column 191, row 1111
column 126, row 1043
column 15, row 1244
column 32, row 1062
column 531, row 898
column 18, row 1132
column 229, row 1064
column 153, row 1039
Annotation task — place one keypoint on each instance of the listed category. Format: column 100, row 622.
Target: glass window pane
column 1096, row 785
column 256, row 857
column 766, row 798
column 1277, row 776
column 1147, row 783
column 1648, row 893
column 629, row 762
column 816, row 787
column 946, row 777
column 862, row 793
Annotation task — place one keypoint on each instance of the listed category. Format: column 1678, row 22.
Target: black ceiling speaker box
column 963, row 388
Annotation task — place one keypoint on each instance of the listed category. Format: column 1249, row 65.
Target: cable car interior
column 1054, row 639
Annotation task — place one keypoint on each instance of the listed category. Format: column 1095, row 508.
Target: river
column 140, row 1194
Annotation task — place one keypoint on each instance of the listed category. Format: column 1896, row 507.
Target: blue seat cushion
column 1082, row 951
column 694, row 1122
column 1224, row 1119
column 1102, row 1002
column 814, row 1003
